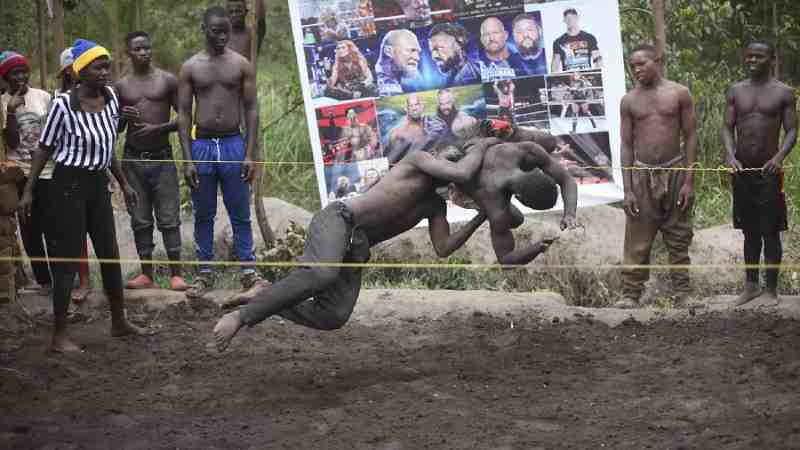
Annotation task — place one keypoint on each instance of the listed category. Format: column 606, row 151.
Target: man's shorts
column 759, row 203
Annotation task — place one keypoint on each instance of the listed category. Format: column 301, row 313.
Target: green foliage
column 288, row 248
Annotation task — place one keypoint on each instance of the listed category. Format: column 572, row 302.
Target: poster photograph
column 576, row 103
column 397, row 14
column 349, row 132
column 522, row 101
column 427, row 68
column 326, row 21
column 425, row 121
column 342, row 70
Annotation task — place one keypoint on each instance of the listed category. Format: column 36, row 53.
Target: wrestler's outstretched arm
column 537, row 157
column 457, row 172
column 444, row 242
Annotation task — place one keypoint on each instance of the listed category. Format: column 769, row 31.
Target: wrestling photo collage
column 389, row 77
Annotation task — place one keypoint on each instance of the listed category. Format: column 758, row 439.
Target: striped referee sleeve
column 54, row 126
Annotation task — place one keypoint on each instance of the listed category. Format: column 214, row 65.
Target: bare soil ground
column 456, row 380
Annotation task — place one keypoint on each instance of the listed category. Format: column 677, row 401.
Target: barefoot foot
column 63, row 344
column 125, row 328
column 80, row 294
column 769, row 297
column 246, row 296
column 226, row 329
column 751, row 291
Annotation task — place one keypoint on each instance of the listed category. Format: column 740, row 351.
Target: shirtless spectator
column 350, row 76
column 398, row 62
column 218, row 80
column 656, row 115
column 146, row 95
column 414, row 133
column 240, row 39
column 756, row 110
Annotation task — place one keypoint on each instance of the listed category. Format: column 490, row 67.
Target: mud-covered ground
column 474, row 381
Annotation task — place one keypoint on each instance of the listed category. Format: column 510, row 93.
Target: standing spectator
column 25, row 110
column 146, row 95
column 79, row 134
column 68, row 80
column 218, row 80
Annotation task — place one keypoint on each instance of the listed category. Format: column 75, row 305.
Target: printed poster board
column 382, row 78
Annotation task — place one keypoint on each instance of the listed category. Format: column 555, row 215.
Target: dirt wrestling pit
column 414, row 370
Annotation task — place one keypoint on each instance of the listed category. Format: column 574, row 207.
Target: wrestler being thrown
column 323, row 296
column 756, row 110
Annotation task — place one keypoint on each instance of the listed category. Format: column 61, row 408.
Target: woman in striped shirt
column 80, row 134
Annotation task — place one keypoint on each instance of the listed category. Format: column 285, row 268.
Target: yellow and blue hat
column 84, row 52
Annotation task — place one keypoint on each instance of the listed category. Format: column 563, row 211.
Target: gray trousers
column 321, row 297
column 157, row 185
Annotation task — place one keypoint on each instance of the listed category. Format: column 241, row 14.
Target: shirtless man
column 414, row 133
column 454, row 119
column 240, row 40
column 505, row 99
column 520, row 167
column 219, row 80
column 656, row 114
column 756, row 110
column 146, row 96
column 323, row 297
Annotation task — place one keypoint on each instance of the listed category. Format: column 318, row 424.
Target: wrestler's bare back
column 403, row 198
column 656, row 118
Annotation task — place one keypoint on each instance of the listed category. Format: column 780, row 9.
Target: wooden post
column 258, row 192
column 775, row 40
column 42, row 29
column 660, row 31
column 138, row 13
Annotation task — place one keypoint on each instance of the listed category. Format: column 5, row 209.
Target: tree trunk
column 258, row 192
column 660, row 32
column 58, row 27
column 113, row 12
column 42, row 31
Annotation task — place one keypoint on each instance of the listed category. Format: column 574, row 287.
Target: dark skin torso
column 240, row 42
column 759, row 111
column 217, row 87
column 656, row 119
column 403, row 198
column 152, row 95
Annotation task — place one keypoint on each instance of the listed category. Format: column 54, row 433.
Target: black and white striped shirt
column 81, row 139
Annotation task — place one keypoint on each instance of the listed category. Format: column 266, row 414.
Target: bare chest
column 763, row 102
column 222, row 75
column 136, row 91
column 656, row 106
